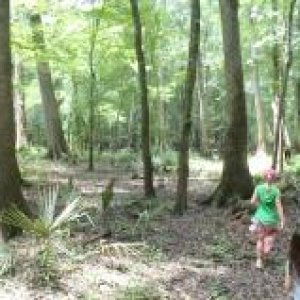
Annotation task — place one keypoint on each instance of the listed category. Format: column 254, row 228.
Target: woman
column 293, row 265
column 268, row 218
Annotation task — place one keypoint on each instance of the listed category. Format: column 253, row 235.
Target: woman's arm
column 254, row 199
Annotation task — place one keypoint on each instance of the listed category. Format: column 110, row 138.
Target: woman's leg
column 259, row 250
column 268, row 243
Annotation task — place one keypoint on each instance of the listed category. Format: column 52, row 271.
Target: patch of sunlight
column 259, row 163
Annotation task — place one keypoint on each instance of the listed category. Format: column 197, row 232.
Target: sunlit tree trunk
column 281, row 102
column 260, row 117
column 10, row 180
column 145, row 134
column 297, row 95
column 19, row 105
column 236, row 179
column 183, row 163
column 203, row 106
column 55, row 137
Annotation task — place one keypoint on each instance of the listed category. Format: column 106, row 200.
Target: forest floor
column 151, row 253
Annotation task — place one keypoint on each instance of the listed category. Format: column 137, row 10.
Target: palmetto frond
column 46, row 224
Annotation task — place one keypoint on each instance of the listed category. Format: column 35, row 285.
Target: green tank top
column 266, row 212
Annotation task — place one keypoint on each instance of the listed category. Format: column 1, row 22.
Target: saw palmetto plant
column 46, row 228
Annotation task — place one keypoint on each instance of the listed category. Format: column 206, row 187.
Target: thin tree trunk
column 285, row 76
column 202, row 98
column 260, row 116
column 276, row 66
column 55, row 137
column 10, row 179
column 297, row 96
column 297, row 116
column 94, row 29
column 19, row 105
column 183, row 163
column 148, row 171
column 236, row 180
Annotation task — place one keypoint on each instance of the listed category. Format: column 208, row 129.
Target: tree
column 260, row 116
column 281, row 101
column 94, row 30
column 10, row 179
column 236, row 180
column 19, row 105
column 183, row 163
column 55, row 137
column 148, row 170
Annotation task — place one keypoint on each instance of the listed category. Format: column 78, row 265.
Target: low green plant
column 218, row 291
column 6, row 259
column 151, row 254
column 139, row 292
column 142, row 224
column 164, row 161
column 221, row 250
column 47, row 229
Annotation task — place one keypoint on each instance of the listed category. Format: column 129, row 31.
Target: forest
column 133, row 135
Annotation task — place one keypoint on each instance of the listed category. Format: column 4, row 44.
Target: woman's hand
column 281, row 226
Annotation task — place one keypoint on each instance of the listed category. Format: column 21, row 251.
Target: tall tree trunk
column 202, row 80
column 19, row 105
column 148, row 171
column 297, row 116
column 202, row 98
column 94, row 31
column 260, row 116
column 10, row 180
column 55, row 137
column 285, row 76
column 183, row 163
column 297, row 96
column 276, row 66
column 236, row 179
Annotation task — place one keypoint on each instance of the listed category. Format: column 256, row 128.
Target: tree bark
column 297, row 116
column 236, row 180
column 55, row 137
column 94, row 31
column 297, row 96
column 10, row 180
column 183, row 163
column 19, row 105
column 148, row 171
column 203, row 111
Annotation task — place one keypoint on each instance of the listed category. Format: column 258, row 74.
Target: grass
column 218, row 291
column 139, row 292
column 222, row 250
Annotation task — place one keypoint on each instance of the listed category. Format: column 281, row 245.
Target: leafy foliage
column 46, row 229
